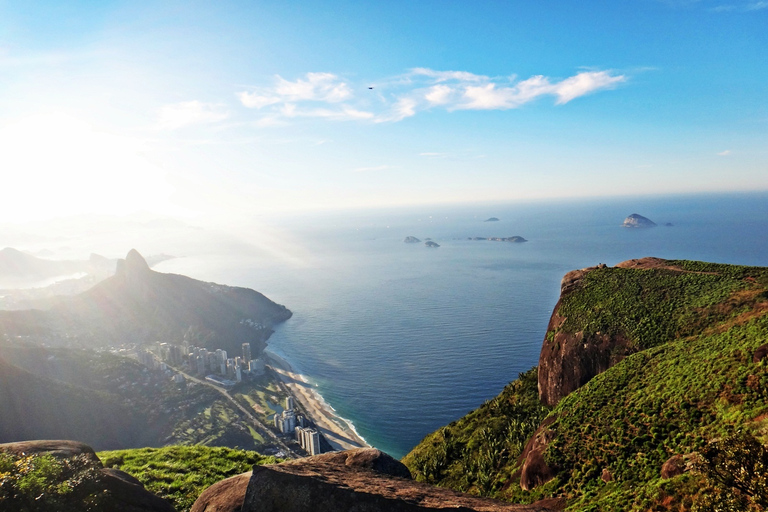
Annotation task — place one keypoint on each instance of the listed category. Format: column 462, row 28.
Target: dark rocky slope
column 138, row 304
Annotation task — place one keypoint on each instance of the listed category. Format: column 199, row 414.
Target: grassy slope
column 181, row 473
column 694, row 380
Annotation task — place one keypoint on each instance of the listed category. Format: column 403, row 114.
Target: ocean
column 401, row 339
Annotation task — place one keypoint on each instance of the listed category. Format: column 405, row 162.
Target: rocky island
column 491, row 219
column 430, row 243
column 638, row 221
column 411, row 240
column 513, row 239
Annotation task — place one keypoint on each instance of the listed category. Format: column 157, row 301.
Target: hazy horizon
column 239, row 109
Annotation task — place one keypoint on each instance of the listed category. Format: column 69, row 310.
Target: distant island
column 430, row 243
column 411, row 240
column 491, row 219
column 513, row 239
column 638, row 221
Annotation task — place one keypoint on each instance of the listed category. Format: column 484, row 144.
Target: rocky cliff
column 643, row 365
column 605, row 314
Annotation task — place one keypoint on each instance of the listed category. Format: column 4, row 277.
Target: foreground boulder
column 119, row 491
column 362, row 480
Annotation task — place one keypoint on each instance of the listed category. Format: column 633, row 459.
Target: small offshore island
column 637, row 221
column 513, row 239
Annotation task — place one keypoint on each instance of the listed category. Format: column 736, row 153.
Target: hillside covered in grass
column 180, row 473
column 666, row 362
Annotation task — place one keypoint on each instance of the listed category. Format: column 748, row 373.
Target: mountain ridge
column 139, row 305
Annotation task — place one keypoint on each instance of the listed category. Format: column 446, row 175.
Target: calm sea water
column 402, row 339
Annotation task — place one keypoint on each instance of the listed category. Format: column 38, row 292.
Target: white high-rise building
column 309, row 439
column 246, row 351
column 289, row 403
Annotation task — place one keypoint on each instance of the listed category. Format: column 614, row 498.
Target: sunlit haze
column 219, row 110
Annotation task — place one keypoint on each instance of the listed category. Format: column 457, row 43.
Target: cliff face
column 643, row 365
column 569, row 359
column 605, row 314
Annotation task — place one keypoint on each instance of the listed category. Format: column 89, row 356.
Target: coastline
column 336, row 430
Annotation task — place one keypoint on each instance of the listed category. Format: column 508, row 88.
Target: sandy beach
column 336, row 430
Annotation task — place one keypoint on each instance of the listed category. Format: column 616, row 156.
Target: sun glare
column 55, row 164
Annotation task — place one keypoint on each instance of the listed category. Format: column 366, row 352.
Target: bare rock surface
column 361, row 480
column 58, row 448
column 536, row 471
column 224, row 496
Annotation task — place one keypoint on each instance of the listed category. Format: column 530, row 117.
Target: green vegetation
column 478, row 452
column 650, row 307
column 692, row 389
column 260, row 396
column 181, row 473
column 33, row 483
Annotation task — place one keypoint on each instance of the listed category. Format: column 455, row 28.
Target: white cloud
column 724, row 153
column 585, row 83
column 317, row 87
column 439, row 94
column 327, row 96
column 345, row 113
column 444, row 76
column 254, row 100
column 177, row 115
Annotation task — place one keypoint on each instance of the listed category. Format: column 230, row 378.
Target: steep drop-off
column 645, row 366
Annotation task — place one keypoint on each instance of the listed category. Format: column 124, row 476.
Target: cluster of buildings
column 289, row 422
column 221, row 369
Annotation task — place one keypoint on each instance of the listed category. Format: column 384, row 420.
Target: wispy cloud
column 177, row 115
column 375, row 169
column 328, row 96
column 748, row 6
column 724, row 153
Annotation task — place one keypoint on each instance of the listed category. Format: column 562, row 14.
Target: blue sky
column 223, row 109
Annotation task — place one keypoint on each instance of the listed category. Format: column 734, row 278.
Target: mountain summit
column 139, row 305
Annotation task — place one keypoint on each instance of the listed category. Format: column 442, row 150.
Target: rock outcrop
column 224, row 496
column 123, row 493
column 411, row 240
column 362, row 480
column 570, row 359
column 536, row 471
column 638, row 221
column 674, row 466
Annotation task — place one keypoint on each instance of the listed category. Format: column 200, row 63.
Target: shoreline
column 339, row 433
